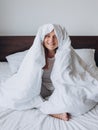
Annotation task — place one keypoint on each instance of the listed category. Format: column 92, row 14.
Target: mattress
column 33, row 119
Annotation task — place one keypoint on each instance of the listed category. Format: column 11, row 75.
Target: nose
column 51, row 39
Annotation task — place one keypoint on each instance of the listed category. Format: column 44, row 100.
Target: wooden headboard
column 12, row 44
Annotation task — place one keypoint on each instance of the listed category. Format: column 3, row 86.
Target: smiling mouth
column 51, row 44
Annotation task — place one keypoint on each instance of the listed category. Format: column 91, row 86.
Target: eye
column 54, row 37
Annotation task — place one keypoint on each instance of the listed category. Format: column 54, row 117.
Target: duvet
column 34, row 119
column 73, row 82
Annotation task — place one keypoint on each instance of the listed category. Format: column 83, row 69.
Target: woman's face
column 50, row 41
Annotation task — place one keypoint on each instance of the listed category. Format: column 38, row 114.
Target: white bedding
column 70, row 76
column 34, row 120
column 4, row 71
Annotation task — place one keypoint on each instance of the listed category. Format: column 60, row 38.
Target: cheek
column 45, row 44
column 56, row 43
column 45, row 41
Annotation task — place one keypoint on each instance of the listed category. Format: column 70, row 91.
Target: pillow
column 87, row 55
column 15, row 60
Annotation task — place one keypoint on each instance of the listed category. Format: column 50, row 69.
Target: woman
column 50, row 44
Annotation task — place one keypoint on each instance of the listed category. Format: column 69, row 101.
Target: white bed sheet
column 35, row 120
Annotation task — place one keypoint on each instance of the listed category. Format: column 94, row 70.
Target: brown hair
column 46, row 57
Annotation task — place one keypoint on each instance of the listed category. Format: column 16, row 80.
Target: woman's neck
column 51, row 54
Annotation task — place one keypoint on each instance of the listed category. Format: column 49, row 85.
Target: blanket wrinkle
column 70, row 77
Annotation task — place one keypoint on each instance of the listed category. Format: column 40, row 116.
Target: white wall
column 23, row 17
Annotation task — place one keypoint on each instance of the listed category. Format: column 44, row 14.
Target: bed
column 33, row 119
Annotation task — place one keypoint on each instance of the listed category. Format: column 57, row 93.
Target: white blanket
column 35, row 120
column 76, row 90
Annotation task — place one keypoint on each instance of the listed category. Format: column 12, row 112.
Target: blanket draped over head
column 76, row 90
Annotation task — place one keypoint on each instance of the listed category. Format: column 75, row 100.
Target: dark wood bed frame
column 12, row 44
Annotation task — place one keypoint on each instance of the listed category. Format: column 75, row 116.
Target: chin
column 51, row 49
